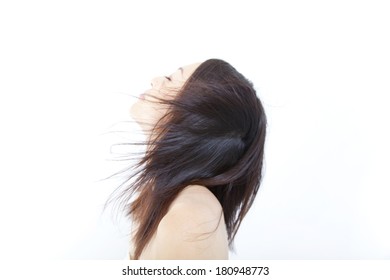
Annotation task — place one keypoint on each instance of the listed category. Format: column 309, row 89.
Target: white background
column 321, row 68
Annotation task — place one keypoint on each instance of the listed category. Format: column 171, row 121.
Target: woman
column 203, row 162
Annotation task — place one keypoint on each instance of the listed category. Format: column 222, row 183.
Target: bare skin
column 194, row 226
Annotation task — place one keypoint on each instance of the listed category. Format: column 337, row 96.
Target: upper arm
column 191, row 233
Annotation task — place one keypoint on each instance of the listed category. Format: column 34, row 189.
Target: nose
column 157, row 81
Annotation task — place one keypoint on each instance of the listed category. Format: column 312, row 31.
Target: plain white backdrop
column 321, row 69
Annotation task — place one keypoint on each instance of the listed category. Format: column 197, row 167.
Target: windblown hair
column 213, row 135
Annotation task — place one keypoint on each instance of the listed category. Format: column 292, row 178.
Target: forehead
column 192, row 66
column 188, row 69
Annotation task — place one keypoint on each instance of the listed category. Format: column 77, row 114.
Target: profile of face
column 146, row 111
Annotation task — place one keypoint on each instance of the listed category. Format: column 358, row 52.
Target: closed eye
column 168, row 78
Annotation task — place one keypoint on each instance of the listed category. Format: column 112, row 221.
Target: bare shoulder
column 196, row 207
column 195, row 197
column 193, row 228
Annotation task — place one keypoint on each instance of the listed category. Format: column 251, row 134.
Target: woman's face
column 146, row 111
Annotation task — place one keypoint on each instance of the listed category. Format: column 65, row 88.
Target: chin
column 135, row 111
column 140, row 112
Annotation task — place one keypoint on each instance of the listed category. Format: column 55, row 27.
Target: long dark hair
column 213, row 135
